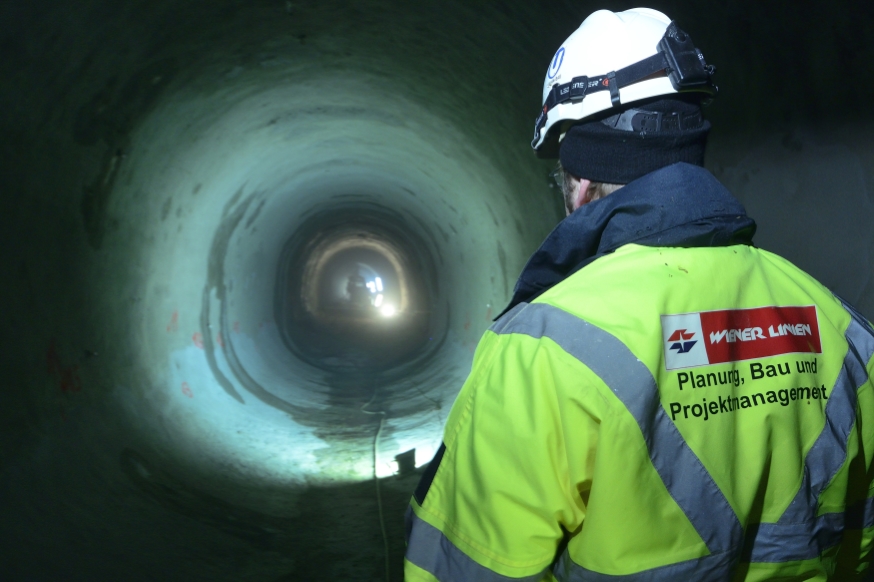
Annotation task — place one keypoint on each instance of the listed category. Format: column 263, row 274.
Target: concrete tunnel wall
column 161, row 162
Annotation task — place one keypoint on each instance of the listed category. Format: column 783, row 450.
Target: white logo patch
column 683, row 341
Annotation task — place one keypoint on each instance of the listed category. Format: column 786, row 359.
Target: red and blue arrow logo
column 681, row 341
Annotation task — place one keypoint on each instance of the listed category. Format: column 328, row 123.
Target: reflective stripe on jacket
column 610, row 430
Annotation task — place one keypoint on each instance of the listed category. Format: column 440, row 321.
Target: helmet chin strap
column 677, row 56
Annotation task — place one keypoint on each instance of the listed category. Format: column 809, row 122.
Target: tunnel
column 249, row 248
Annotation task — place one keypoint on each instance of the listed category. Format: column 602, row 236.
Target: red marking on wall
column 186, row 389
column 67, row 376
column 197, row 338
column 236, row 327
column 219, row 340
column 174, row 322
column 467, row 321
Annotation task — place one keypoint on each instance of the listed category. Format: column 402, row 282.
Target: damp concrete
column 165, row 167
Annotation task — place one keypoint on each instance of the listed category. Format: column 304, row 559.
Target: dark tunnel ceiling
column 182, row 400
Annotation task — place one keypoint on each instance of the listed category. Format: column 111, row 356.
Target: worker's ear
column 581, row 197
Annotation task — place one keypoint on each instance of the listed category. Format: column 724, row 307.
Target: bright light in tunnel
column 388, row 310
column 386, row 469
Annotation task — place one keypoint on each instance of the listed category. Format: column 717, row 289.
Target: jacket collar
column 681, row 205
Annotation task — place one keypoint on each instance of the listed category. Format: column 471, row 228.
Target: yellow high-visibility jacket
column 662, row 414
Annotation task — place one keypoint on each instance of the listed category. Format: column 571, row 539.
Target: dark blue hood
column 681, row 205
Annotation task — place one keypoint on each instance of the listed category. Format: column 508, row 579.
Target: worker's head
column 622, row 98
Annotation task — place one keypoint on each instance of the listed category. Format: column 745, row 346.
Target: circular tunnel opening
column 286, row 237
column 357, row 291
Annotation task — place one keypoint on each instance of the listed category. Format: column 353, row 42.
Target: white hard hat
column 612, row 59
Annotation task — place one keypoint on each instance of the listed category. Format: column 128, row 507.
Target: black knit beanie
column 655, row 135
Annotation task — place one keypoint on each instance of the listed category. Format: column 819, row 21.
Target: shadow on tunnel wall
column 157, row 421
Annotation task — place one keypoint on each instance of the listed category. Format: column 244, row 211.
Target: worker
column 662, row 400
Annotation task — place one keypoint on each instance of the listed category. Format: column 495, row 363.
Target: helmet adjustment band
column 649, row 122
